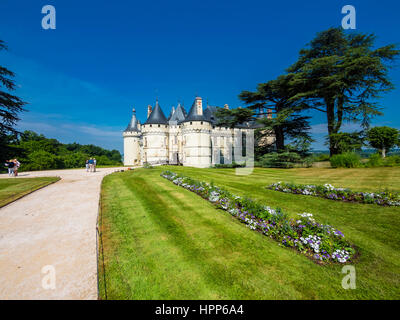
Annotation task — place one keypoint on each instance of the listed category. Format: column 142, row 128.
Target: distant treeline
column 36, row 152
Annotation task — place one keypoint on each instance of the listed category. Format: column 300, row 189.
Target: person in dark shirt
column 10, row 165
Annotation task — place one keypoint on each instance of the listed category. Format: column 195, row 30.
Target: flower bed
column 320, row 242
column 342, row 194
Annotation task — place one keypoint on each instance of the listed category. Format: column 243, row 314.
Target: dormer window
column 158, row 125
column 191, row 122
column 151, row 125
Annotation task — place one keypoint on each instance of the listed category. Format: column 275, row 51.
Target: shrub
column 346, row 160
column 375, row 160
column 280, row 160
column 147, row 165
column 230, row 165
column 392, row 161
column 321, row 157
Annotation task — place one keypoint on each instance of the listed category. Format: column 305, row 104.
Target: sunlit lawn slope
column 161, row 241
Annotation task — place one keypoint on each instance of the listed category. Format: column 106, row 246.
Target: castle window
column 151, row 125
column 243, row 144
column 191, row 122
column 158, row 125
column 165, row 125
column 202, row 122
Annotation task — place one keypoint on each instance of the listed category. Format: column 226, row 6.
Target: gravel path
column 53, row 227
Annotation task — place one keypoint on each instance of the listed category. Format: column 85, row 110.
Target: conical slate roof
column 133, row 125
column 209, row 113
column 172, row 112
column 179, row 115
column 157, row 116
column 193, row 116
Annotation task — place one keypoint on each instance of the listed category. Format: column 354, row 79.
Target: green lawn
column 13, row 189
column 160, row 241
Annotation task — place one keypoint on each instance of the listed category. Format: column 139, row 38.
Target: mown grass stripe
column 155, row 267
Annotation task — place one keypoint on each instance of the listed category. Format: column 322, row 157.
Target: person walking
column 94, row 164
column 10, row 165
column 91, row 164
column 7, row 165
column 87, row 165
column 16, row 166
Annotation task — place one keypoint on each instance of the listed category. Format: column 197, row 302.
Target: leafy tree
column 341, row 75
column 40, row 160
column 283, row 117
column 346, row 142
column 383, row 138
column 36, row 152
column 286, row 120
column 10, row 106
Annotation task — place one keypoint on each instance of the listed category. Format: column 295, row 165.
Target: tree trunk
column 330, row 114
column 279, row 138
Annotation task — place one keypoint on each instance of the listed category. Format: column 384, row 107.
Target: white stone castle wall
column 155, row 143
column 175, row 150
column 131, row 149
column 196, row 144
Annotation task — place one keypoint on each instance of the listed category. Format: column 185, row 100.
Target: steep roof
column 209, row 113
column 172, row 112
column 179, row 114
column 193, row 116
column 133, row 125
column 157, row 116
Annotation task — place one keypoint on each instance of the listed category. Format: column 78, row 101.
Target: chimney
column 199, row 106
column 269, row 113
column 226, row 106
column 149, row 109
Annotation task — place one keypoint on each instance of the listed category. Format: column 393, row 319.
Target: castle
column 190, row 139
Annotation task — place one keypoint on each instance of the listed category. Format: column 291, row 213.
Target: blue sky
column 82, row 79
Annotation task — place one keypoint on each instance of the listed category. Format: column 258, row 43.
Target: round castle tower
column 155, row 136
column 132, row 136
column 196, row 132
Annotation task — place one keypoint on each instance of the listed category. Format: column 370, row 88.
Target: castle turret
column 132, row 138
column 196, row 133
column 155, row 137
